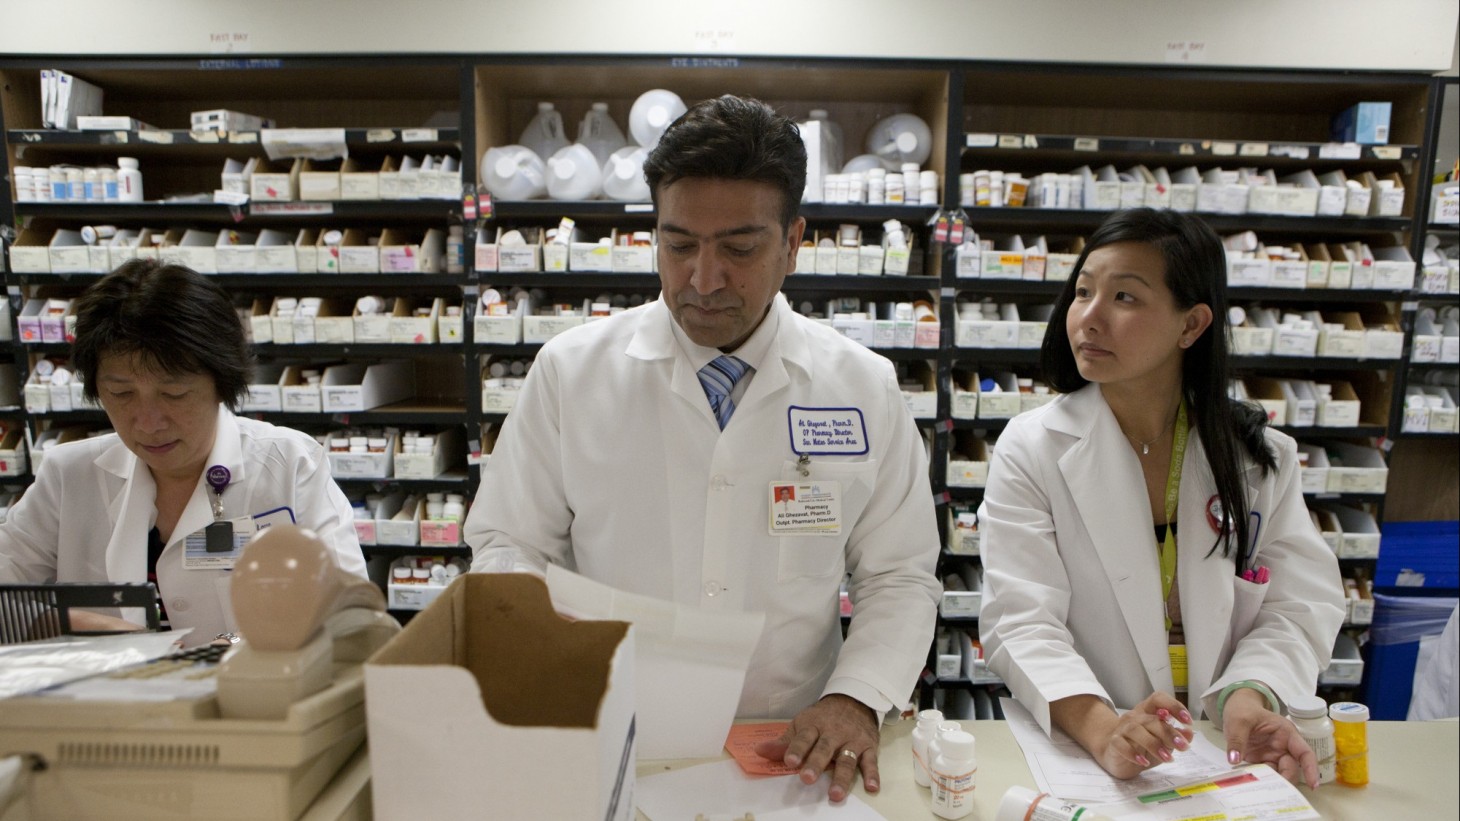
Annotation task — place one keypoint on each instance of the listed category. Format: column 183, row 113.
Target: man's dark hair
column 177, row 321
column 732, row 138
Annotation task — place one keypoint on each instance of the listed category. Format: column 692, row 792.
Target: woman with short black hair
column 173, row 494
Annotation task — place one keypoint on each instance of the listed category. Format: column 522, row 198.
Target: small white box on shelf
column 1341, row 334
column 276, row 182
column 1345, row 666
column 451, row 327
column 359, row 387
column 374, row 328
column 1360, row 538
column 265, row 392
column 69, row 253
column 357, row 254
column 1004, row 403
column 309, row 258
column 319, row 181
column 411, row 252
column 409, row 328
column 448, row 445
column 540, row 328
column 922, row 403
column 1313, row 474
column 1356, row 469
column 969, row 465
column 274, row 253
column 334, row 324
column 376, row 465
column 358, row 182
column 403, row 527
column 591, row 257
column 963, row 533
column 299, row 396
column 1342, row 409
column 1393, row 268
column 30, row 254
column 633, row 258
column 499, row 329
column 236, row 252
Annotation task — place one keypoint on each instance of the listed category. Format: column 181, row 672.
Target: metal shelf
column 351, row 350
column 1012, row 287
column 1319, row 432
column 1269, row 152
column 397, row 551
column 1345, row 498
column 361, row 283
column 252, row 214
column 449, row 483
column 1010, row 356
column 410, row 412
column 1079, row 220
column 980, row 424
column 1446, row 436
column 1312, row 363
column 643, row 212
column 1315, row 295
column 859, row 284
column 234, row 143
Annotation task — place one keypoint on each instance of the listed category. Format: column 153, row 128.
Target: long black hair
column 1196, row 274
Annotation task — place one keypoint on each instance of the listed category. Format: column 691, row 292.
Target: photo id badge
column 811, row 508
column 216, row 547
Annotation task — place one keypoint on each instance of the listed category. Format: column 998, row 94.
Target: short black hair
column 1196, row 274
column 174, row 319
column 732, row 138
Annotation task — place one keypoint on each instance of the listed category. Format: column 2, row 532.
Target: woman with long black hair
column 1145, row 543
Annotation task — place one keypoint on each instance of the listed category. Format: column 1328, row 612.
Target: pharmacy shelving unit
column 1009, row 116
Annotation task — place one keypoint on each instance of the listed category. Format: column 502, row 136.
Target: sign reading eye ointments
column 827, row 431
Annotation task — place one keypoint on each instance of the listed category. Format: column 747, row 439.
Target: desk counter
column 1412, row 769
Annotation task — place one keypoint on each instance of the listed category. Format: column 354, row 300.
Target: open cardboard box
column 510, row 685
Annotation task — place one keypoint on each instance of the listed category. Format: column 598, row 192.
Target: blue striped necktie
column 718, row 379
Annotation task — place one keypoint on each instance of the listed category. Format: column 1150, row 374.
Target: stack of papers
column 1198, row 784
column 64, row 98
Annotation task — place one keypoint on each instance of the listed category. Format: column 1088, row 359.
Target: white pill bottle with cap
column 1310, row 715
column 129, row 180
column 954, row 773
column 923, row 733
column 1024, row 804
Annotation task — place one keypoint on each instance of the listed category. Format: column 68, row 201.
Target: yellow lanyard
column 1173, row 495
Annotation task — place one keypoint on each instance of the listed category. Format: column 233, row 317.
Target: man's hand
column 837, row 733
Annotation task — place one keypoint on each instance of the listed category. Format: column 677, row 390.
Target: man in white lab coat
column 646, row 452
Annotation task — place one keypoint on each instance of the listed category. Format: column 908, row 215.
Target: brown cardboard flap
column 534, row 667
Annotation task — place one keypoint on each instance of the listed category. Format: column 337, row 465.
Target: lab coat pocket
column 817, row 556
column 1247, row 598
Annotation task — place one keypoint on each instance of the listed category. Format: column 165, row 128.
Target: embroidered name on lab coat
column 827, row 431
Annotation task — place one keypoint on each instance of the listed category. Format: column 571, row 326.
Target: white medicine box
column 359, row 387
column 276, row 181
column 378, row 465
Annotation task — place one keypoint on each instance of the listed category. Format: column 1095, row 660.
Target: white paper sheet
column 31, row 666
column 722, row 791
column 689, row 664
column 1267, row 796
column 1061, row 766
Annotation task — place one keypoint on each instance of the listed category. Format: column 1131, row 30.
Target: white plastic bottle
column 544, row 132
column 923, row 733
column 129, row 180
column 623, row 175
column 600, row 133
column 1310, row 715
column 901, row 138
column 514, row 172
column 834, row 140
column 1024, row 804
column 954, row 775
column 455, row 250
column 652, row 113
column 574, row 174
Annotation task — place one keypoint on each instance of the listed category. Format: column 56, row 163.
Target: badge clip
column 803, row 465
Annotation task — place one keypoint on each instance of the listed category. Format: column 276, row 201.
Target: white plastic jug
column 600, row 133
column 901, row 138
column 652, row 113
column 544, row 132
column 862, row 163
column 623, row 175
column 574, row 174
column 834, row 141
column 513, row 172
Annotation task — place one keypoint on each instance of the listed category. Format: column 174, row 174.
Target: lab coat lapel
column 130, row 512
column 226, row 452
column 788, row 347
column 654, row 340
column 1105, row 479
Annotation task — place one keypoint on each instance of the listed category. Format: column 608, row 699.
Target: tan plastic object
column 286, row 584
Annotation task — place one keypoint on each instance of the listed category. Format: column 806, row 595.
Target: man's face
column 723, row 256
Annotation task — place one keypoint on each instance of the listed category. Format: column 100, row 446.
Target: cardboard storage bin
column 510, row 685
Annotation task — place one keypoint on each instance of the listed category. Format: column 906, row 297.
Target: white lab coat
column 612, row 465
column 1072, row 597
column 87, row 516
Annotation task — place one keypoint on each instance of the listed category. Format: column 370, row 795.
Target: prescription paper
column 689, row 663
column 721, row 791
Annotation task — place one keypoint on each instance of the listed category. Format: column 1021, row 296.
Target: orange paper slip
column 741, row 746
